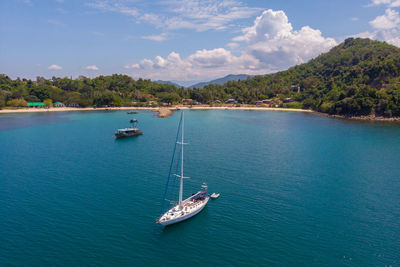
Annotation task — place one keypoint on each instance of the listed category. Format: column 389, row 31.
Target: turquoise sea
column 297, row 189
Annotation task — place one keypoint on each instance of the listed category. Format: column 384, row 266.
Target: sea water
column 296, row 189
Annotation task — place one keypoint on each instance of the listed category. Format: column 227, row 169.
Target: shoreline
column 167, row 111
column 369, row 118
column 171, row 108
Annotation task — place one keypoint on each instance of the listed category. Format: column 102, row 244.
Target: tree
column 48, row 102
column 117, row 101
column 169, row 98
column 18, row 102
column 104, row 99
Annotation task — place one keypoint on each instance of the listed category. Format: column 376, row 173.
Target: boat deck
column 190, row 206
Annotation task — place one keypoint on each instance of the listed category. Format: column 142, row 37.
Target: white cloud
column 354, row 19
column 204, row 15
column 132, row 66
column 211, row 58
column 114, row 6
column 385, row 28
column 389, row 20
column 233, row 45
column 92, row 67
column 199, row 15
column 54, row 67
column 269, row 45
column 157, row 38
column 390, row 3
column 389, row 36
column 273, row 42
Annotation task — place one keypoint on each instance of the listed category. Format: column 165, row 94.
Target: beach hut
column 59, row 104
column 231, row 101
column 73, row 105
column 186, row 101
column 36, row 105
column 267, row 101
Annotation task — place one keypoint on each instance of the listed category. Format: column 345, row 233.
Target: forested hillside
column 358, row 77
column 114, row 90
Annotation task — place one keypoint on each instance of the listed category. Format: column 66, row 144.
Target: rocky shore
column 164, row 112
column 362, row 118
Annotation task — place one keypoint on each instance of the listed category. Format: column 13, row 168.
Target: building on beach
column 287, row 100
column 73, row 105
column 36, row 105
column 58, row 105
column 231, row 101
column 186, row 101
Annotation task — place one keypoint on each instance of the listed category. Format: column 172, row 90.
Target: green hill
column 357, row 77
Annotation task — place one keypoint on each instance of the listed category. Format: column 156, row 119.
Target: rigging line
column 175, row 179
column 173, row 187
column 170, row 167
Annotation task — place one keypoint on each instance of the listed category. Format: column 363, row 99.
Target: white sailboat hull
column 191, row 206
column 175, row 216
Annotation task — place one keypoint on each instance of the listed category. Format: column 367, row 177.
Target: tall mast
column 181, row 185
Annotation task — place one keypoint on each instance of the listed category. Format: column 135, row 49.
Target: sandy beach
column 22, row 110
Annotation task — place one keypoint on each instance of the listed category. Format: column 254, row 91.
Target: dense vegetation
column 358, row 77
column 116, row 90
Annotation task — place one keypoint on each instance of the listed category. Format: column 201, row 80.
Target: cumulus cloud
column 273, row 42
column 385, row 27
column 211, row 58
column 233, row 45
column 389, row 20
column 92, row 67
column 270, row 44
column 391, row 3
column 54, row 67
column 389, row 36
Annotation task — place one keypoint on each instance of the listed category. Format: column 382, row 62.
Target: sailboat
column 191, row 206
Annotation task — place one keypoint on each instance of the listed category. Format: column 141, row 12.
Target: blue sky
column 178, row 40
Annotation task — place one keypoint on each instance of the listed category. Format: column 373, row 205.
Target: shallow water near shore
column 296, row 189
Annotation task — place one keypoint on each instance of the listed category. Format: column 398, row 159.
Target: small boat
column 215, row 195
column 132, row 112
column 189, row 207
column 127, row 132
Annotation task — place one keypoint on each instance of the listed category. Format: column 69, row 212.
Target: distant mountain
column 168, row 82
column 230, row 77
